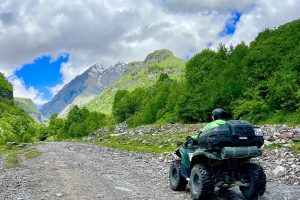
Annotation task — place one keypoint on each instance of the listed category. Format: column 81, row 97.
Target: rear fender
column 184, row 155
column 187, row 155
column 199, row 159
column 202, row 156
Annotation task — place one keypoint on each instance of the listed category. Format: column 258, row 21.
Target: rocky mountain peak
column 157, row 56
column 96, row 69
column 83, row 88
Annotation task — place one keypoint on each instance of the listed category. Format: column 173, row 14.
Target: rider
column 218, row 116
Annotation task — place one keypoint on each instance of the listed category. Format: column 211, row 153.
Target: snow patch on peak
column 96, row 69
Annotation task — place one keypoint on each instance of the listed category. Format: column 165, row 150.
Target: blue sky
column 43, row 73
column 231, row 23
column 228, row 30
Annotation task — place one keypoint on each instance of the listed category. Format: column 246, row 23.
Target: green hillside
column 30, row 108
column 26, row 104
column 145, row 75
column 15, row 123
column 259, row 83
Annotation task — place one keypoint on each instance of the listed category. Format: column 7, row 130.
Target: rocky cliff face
column 7, row 94
column 83, row 88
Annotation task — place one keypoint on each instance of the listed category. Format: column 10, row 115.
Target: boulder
column 267, row 143
column 286, row 135
column 296, row 138
column 279, row 171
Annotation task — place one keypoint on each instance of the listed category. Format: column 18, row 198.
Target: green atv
column 220, row 158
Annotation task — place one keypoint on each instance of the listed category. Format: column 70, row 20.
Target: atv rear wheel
column 256, row 178
column 201, row 183
column 177, row 181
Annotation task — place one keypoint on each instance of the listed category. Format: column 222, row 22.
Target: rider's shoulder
column 220, row 121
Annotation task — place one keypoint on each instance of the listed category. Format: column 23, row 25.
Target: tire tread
column 182, row 182
column 207, row 190
column 259, row 182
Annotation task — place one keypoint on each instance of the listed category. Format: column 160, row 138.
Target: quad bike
column 220, row 158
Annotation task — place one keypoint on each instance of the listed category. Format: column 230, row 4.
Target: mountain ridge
column 92, row 82
column 82, row 88
column 145, row 75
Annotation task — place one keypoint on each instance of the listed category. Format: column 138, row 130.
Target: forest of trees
column 259, row 83
column 15, row 124
column 79, row 122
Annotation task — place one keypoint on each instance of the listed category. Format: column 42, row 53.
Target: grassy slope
column 143, row 78
column 148, row 143
column 12, row 155
column 155, row 138
column 26, row 104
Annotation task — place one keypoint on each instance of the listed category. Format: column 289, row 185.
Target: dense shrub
column 15, row 124
column 79, row 122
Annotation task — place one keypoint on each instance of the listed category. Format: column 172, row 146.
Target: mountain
column 83, row 88
column 142, row 74
column 29, row 106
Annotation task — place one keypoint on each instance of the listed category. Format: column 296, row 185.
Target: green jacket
column 213, row 124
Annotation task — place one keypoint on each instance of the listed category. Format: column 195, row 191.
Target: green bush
column 80, row 122
column 15, row 124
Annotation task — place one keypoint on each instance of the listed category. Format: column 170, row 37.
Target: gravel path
column 80, row 171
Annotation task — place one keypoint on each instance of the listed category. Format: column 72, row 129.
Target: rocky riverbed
column 80, row 171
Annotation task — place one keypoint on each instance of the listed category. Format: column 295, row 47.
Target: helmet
column 218, row 113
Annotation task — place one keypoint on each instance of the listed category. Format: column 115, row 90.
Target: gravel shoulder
column 81, row 171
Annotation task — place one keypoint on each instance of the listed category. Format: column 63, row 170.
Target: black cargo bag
column 233, row 133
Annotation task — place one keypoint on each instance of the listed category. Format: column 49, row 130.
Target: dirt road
column 80, row 171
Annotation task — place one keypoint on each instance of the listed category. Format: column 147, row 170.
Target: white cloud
column 97, row 31
column 205, row 6
column 21, row 91
column 117, row 30
column 264, row 14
